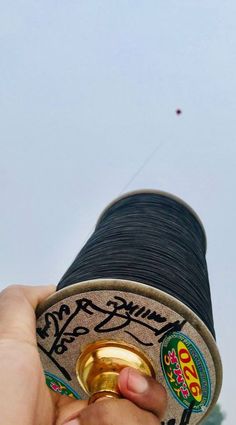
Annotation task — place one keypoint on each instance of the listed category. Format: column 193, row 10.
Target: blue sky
column 88, row 90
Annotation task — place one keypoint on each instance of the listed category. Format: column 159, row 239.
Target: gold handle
column 100, row 363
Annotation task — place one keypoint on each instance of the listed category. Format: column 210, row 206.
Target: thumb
column 143, row 390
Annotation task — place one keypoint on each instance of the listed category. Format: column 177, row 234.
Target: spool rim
column 155, row 192
column 156, row 295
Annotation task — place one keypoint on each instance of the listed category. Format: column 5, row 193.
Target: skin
column 25, row 398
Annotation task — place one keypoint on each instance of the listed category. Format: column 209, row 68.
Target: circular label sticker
column 59, row 386
column 186, row 372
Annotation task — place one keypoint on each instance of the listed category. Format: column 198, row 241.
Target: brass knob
column 100, row 363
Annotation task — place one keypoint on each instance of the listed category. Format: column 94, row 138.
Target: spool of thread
column 149, row 238
column 145, row 277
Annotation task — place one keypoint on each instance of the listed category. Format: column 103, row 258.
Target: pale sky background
column 88, row 90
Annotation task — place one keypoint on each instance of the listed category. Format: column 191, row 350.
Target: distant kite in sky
column 178, row 111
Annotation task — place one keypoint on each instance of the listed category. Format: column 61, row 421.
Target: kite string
column 137, row 172
column 142, row 166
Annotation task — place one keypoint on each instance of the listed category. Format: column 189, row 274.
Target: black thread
column 150, row 238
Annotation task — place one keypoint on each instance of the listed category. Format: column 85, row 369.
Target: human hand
column 26, row 400
column 144, row 403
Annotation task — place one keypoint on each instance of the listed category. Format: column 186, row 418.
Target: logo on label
column 186, row 372
column 56, row 384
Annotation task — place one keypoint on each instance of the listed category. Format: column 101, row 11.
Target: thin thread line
column 137, row 172
column 142, row 166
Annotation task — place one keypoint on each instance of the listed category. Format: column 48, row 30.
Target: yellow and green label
column 185, row 371
column 59, row 386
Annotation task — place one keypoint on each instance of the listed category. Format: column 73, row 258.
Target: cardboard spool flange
column 179, row 345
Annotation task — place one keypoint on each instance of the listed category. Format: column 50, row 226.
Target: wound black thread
column 151, row 238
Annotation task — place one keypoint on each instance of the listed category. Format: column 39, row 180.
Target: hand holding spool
column 137, row 294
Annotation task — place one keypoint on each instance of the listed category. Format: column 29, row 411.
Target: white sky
column 88, row 90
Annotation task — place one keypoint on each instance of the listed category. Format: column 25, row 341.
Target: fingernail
column 137, row 383
column 73, row 422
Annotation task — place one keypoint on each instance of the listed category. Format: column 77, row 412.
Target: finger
column 144, row 391
column 67, row 408
column 114, row 412
column 17, row 310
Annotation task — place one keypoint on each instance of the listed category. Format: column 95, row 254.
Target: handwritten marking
column 118, row 314
column 185, row 418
